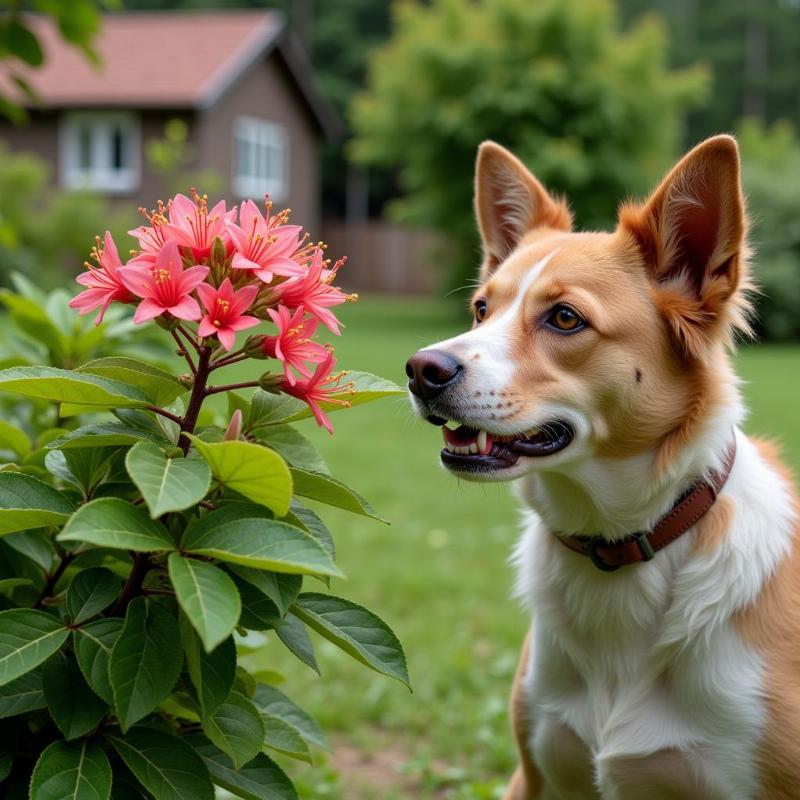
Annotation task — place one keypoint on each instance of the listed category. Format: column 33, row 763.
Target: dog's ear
column 509, row 202
column 691, row 234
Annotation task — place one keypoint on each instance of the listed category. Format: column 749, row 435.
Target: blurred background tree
column 596, row 112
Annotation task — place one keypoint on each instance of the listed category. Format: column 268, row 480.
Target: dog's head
column 589, row 344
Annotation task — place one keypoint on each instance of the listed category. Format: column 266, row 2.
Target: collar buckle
column 590, row 549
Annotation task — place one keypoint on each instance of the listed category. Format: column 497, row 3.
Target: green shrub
column 596, row 113
column 145, row 537
column 771, row 175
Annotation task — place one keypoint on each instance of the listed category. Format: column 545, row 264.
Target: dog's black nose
column 430, row 372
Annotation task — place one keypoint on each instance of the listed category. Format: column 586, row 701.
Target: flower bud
column 234, row 429
column 271, row 382
column 254, row 346
column 187, row 380
column 167, row 322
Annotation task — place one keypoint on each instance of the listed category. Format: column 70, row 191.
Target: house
column 239, row 80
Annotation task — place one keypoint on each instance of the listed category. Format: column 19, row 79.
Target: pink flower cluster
column 226, row 271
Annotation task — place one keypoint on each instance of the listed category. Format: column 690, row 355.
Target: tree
column 596, row 113
column 78, row 23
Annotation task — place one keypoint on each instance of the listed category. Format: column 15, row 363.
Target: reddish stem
column 183, row 351
column 165, row 413
column 199, row 393
column 230, row 387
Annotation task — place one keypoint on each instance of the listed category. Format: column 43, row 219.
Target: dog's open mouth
column 467, row 449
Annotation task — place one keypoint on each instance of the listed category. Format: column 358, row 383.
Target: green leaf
column 295, row 448
column 71, row 771
column 115, row 523
column 161, row 387
column 207, row 596
column 22, row 42
column 146, row 660
column 66, row 386
column 86, row 468
column 91, row 591
column 273, row 701
column 15, row 439
column 74, row 707
column 310, row 521
column 212, row 674
column 291, row 631
column 328, row 490
column 22, row 695
column 260, row 543
column 280, row 736
column 259, row 613
column 251, row 470
column 27, row 503
column 104, row 434
column 260, row 779
column 34, row 545
column 166, row 766
column 281, row 589
column 236, row 728
column 355, row 630
column 27, row 638
column 167, row 484
column 33, row 321
column 272, row 409
column 365, row 389
column 93, row 644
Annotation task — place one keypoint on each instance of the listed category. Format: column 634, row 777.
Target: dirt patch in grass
column 385, row 771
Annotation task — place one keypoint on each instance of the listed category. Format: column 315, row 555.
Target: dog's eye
column 565, row 320
column 480, row 311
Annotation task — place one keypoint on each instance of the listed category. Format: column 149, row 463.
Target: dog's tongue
column 464, row 436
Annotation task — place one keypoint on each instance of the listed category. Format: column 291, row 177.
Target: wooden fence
column 385, row 257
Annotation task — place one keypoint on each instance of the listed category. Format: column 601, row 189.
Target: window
column 260, row 159
column 100, row 151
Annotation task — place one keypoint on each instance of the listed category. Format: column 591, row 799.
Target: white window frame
column 100, row 176
column 265, row 134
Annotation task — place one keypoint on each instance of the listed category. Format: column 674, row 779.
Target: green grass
column 439, row 575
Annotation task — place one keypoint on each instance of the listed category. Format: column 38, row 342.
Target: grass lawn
column 439, row 576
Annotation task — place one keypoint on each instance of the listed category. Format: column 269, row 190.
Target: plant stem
column 133, row 586
column 230, row 387
column 53, row 577
column 231, row 359
column 183, row 351
column 165, row 413
column 189, row 338
column 199, row 392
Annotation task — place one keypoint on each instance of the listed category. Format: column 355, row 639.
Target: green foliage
column 44, row 232
column 596, row 113
column 78, row 22
column 771, row 175
column 172, row 159
column 137, row 549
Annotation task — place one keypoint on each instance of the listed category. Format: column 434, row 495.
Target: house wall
column 266, row 92
column 40, row 136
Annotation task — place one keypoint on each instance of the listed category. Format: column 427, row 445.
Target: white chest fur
column 647, row 659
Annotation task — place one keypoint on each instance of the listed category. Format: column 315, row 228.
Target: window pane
column 117, row 148
column 84, row 148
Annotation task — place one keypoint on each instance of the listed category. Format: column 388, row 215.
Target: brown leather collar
column 609, row 556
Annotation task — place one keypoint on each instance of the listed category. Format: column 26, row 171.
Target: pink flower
column 314, row 291
column 225, row 307
column 293, row 345
column 321, row 387
column 263, row 244
column 103, row 282
column 151, row 238
column 165, row 286
column 192, row 225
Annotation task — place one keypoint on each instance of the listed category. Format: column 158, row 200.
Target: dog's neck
column 616, row 497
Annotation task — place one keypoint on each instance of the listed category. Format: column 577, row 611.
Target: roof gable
column 168, row 60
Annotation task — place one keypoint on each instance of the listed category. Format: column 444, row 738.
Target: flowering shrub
column 143, row 536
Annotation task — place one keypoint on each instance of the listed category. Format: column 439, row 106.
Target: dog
column 658, row 556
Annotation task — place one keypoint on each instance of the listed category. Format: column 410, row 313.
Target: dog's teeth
column 481, row 445
column 473, row 448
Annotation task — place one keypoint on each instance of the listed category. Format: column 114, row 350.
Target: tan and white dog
column 596, row 376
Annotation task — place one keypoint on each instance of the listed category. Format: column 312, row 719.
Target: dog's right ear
column 509, row 202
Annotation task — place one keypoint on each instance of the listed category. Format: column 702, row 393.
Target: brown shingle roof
column 153, row 59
